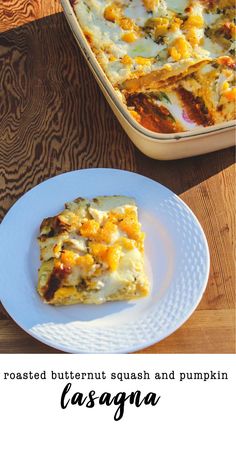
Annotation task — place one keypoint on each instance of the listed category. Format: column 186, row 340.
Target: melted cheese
column 177, row 5
column 138, row 12
column 140, row 36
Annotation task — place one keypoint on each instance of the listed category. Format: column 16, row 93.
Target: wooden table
column 53, row 119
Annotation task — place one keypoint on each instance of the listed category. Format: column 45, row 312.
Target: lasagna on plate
column 170, row 61
column 92, row 252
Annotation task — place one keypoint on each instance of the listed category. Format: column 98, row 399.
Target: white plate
column 177, row 260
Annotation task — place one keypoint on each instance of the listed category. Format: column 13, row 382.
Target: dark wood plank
column 53, row 116
column 14, row 13
column 13, row 340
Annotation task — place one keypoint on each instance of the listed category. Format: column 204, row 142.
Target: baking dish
column 155, row 145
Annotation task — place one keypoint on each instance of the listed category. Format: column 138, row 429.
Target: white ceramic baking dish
column 155, row 145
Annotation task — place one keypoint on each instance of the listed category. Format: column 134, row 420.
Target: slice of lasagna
column 92, row 252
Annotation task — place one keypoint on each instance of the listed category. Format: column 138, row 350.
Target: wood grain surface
column 53, row 119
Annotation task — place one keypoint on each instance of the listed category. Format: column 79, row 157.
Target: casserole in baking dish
column 167, row 75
